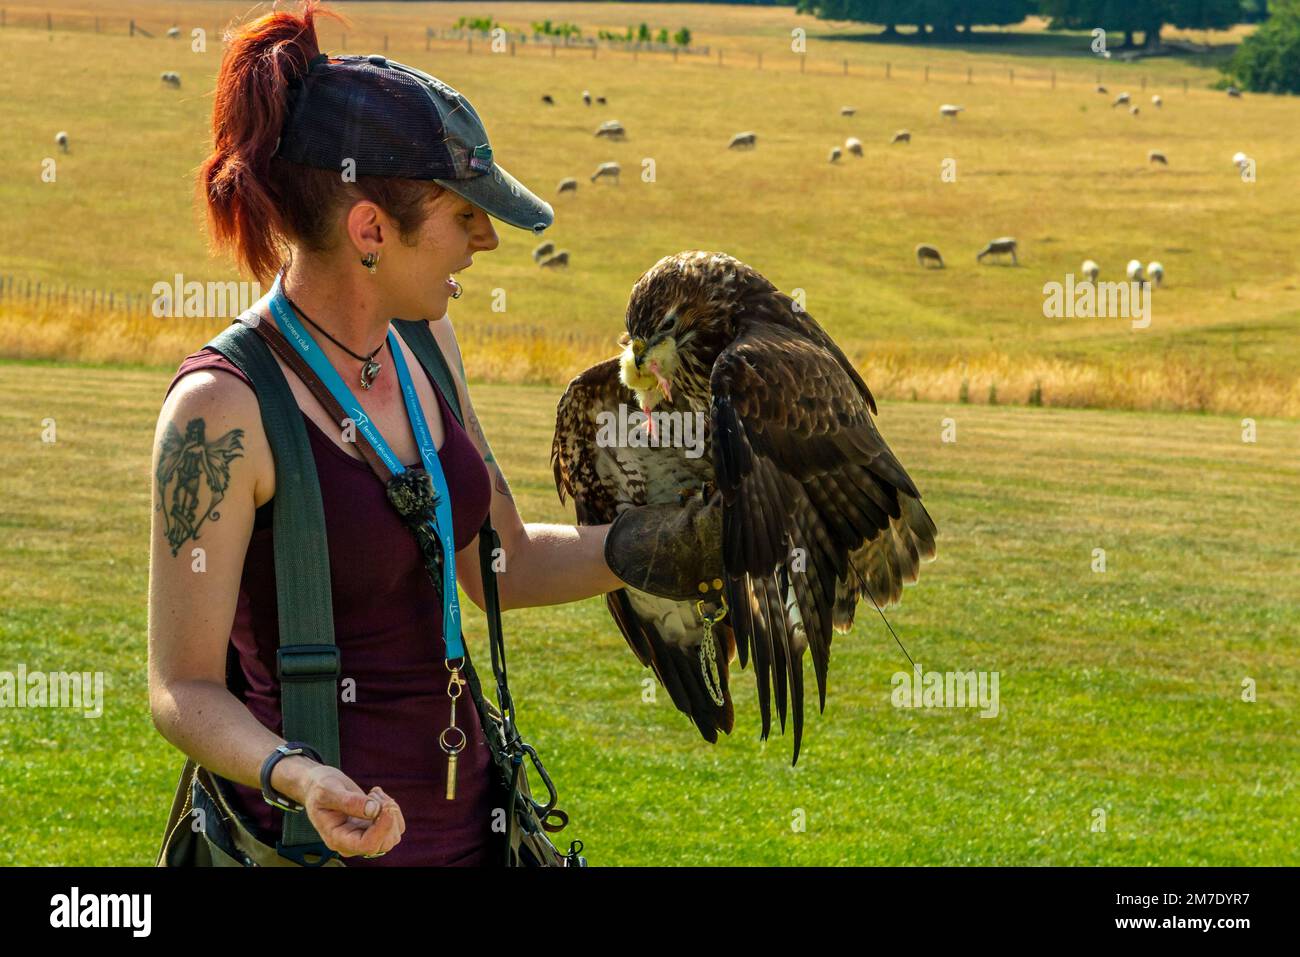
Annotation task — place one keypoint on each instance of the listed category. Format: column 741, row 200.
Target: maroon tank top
column 388, row 628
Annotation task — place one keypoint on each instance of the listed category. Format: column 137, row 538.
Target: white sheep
column 173, row 32
column 847, row 110
column 586, row 97
column 611, row 129
column 747, row 139
column 1090, row 269
column 1134, row 271
column 1134, row 110
column 1155, row 272
column 1002, row 246
column 607, row 171
column 950, row 111
column 1240, row 160
column 835, row 154
column 61, row 138
column 902, row 136
column 1120, row 100
column 1156, row 101
column 927, row 253
column 853, row 145
column 568, row 185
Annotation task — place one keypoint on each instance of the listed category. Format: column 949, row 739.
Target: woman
column 362, row 188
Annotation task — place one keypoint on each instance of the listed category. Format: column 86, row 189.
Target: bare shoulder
column 216, row 406
column 444, row 333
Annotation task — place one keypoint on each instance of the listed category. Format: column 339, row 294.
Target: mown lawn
column 1119, row 690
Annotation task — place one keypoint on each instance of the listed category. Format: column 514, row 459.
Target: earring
column 459, row 290
column 369, row 260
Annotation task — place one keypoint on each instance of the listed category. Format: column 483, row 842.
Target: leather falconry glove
column 669, row 549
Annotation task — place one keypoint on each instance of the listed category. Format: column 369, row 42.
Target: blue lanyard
column 307, row 348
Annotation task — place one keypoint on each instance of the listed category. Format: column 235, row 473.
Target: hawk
column 817, row 510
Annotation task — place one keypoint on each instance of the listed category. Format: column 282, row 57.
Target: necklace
column 369, row 369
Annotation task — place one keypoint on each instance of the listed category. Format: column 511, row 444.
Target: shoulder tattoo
column 193, row 475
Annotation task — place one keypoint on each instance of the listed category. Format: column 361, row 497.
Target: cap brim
column 503, row 196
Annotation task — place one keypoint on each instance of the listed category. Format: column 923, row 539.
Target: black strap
column 308, row 659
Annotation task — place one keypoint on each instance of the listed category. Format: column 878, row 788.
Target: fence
column 517, row 44
column 34, row 294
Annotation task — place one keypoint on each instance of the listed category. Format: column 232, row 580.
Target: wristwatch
column 286, row 750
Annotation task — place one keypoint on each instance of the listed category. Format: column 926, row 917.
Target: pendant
column 368, row 373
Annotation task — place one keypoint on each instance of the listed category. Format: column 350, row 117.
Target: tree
column 1148, row 16
column 1268, row 61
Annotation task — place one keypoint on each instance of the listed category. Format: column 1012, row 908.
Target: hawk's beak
column 638, row 351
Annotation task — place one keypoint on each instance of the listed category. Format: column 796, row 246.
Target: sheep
column 559, row 259
column 835, row 154
column 927, row 253
column 586, row 98
column 173, row 33
column 548, row 99
column 606, row 171
column 902, row 136
column 1156, row 101
column 1133, row 110
column 1120, row 100
column 1155, row 156
column 1233, row 91
column 1134, row 271
column 950, row 111
column 61, row 138
column 542, row 251
column 847, row 110
column 611, row 129
column 748, row 139
column 1101, row 89
column 1090, row 269
column 853, row 145
column 568, row 185
column 1003, row 245
column 1156, row 272
column 1240, row 159
column 172, row 79
column 600, row 101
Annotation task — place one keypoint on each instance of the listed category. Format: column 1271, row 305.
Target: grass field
column 1119, row 690
column 1057, row 168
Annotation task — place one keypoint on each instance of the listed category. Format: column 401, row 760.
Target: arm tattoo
column 193, row 475
column 498, row 476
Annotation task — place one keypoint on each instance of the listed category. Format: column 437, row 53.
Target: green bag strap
column 308, row 659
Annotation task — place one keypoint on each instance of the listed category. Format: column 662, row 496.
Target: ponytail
column 245, row 212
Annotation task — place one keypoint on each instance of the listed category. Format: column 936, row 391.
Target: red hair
column 258, row 204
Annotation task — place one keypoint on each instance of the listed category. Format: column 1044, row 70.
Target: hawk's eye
column 669, row 321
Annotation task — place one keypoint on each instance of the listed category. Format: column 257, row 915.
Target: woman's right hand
column 349, row 820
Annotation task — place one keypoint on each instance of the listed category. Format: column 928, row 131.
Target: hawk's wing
column 598, row 478
column 817, row 506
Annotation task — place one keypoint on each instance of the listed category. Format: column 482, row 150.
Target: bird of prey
column 817, row 510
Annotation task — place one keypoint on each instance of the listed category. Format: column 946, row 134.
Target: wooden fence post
column 887, row 70
column 927, row 73
column 846, row 67
column 1184, row 85
column 1013, row 77
column 132, row 28
column 1053, row 79
column 968, row 74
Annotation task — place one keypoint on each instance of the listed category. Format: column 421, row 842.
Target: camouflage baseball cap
column 390, row 119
